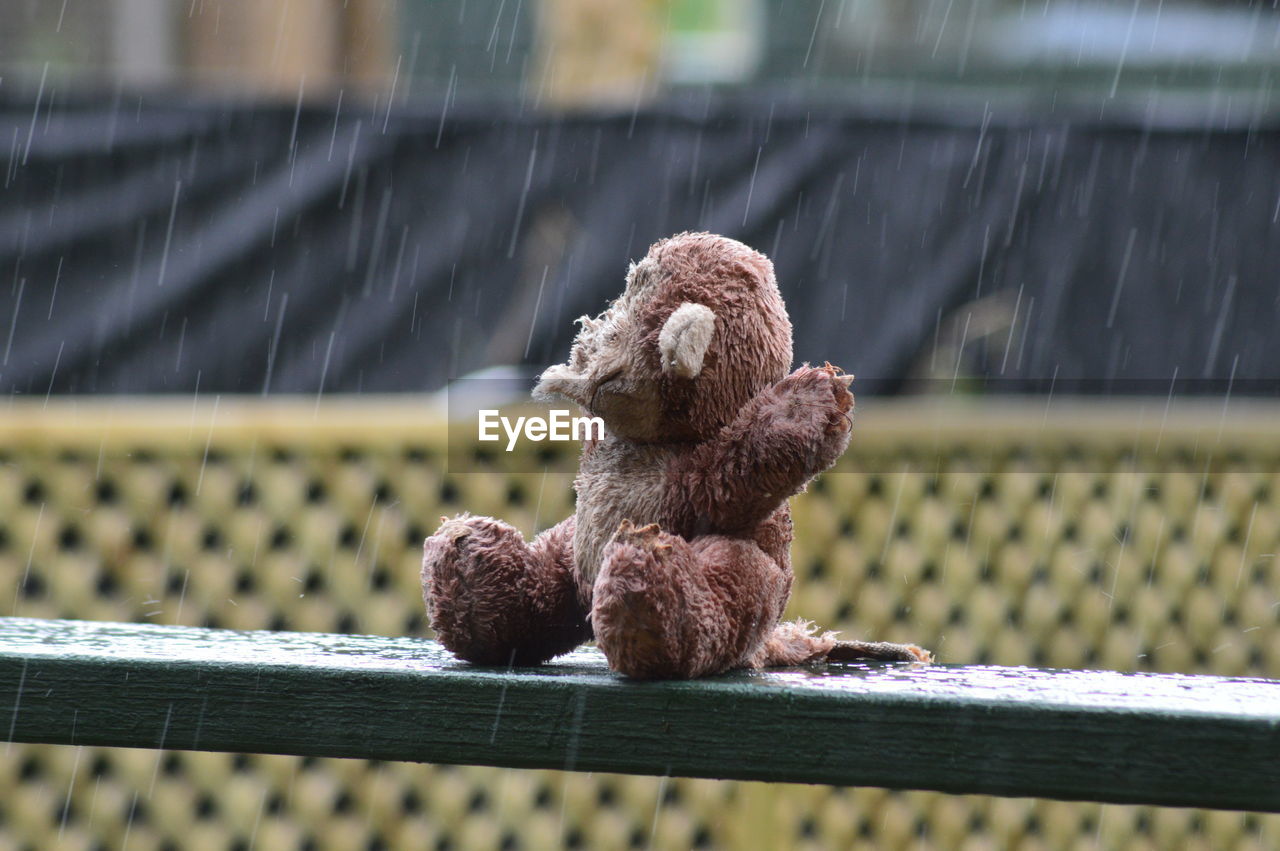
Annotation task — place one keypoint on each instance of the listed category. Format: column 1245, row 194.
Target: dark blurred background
column 302, row 196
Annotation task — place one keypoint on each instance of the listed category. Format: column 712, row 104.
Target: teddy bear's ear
column 685, row 338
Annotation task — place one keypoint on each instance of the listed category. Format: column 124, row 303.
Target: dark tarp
column 155, row 244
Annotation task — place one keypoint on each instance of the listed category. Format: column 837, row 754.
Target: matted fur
column 677, row 558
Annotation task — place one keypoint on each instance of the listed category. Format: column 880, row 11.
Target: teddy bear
column 676, row 560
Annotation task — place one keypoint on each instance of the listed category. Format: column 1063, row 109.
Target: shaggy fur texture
column 677, row 559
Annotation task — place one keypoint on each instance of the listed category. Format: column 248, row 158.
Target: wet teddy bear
column 677, row 558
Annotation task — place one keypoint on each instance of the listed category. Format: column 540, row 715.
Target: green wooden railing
column 1161, row 739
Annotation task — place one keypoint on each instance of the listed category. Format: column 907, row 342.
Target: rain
column 262, row 263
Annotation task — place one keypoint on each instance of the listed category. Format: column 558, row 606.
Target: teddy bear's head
column 698, row 331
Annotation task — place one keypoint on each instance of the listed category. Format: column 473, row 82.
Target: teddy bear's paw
column 472, row 584
column 639, row 602
column 818, row 396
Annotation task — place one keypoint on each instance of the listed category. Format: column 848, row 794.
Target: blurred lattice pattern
column 1104, row 537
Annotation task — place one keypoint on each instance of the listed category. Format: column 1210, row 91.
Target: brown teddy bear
column 677, row 559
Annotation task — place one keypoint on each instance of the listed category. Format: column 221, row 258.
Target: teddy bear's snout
column 610, row 383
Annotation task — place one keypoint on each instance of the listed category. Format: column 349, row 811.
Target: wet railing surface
column 1087, row 735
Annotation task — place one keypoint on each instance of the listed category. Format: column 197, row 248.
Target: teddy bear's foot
column 495, row 600
column 666, row 608
column 638, row 610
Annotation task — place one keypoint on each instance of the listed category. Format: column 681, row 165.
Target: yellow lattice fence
column 1070, row 534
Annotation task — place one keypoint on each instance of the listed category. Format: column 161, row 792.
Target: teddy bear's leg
column 494, row 599
column 665, row 607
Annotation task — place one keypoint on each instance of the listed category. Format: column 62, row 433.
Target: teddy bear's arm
column 781, row 439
